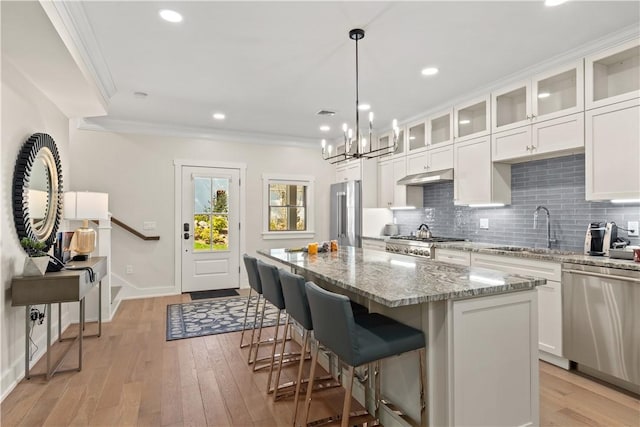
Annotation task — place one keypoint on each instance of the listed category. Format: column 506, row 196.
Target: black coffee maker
column 594, row 240
column 601, row 236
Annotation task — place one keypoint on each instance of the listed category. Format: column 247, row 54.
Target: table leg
column 59, row 322
column 100, row 308
column 49, row 373
column 80, row 334
column 27, row 341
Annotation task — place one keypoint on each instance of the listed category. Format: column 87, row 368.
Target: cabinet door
column 452, row 256
column 511, row 107
column 472, row 177
column 550, row 318
column 416, row 163
column 511, row 145
column 471, row 119
column 612, row 152
column 558, row 135
column 417, row 136
column 341, row 174
column 612, row 75
column 399, row 191
column 558, row 92
column 385, row 184
column 440, row 158
column 440, row 128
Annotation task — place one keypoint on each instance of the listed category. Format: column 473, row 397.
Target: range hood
column 427, row 177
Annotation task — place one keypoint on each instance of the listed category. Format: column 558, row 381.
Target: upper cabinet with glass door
column 386, row 140
column 471, row 119
column 440, row 129
column 613, row 75
column 553, row 94
column 417, row 136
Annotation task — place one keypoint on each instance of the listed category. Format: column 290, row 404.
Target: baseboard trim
column 561, row 362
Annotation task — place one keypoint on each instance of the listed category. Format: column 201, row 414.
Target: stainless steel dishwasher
column 601, row 326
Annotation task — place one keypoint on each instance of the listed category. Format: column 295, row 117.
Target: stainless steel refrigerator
column 346, row 213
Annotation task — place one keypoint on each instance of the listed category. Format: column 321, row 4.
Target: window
column 211, row 214
column 287, row 211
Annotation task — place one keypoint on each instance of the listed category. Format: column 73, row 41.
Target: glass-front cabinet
column 440, row 129
column 417, row 136
column 613, row 75
column 472, row 119
column 555, row 93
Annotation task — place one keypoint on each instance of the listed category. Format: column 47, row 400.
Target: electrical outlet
column 129, row 269
column 149, row 225
column 633, row 225
column 484, row 223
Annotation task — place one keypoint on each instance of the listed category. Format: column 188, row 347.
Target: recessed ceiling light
column 553, row 2
column 364, row 107
column 544, row 95
column 464, row 122
column 325, row 128
column 412, row 138
column 170, row 15
column 429, row 71
column 140, row 94
column 219, row 116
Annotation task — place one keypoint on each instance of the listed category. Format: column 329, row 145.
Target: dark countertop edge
column 530, row 284
column 569, row 258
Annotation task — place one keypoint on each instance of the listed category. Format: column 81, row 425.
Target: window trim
column 306, row 180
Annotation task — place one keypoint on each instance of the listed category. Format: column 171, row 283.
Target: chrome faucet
column 535, row 224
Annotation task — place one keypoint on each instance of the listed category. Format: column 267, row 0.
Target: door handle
column 186, row 236
column 185, row 226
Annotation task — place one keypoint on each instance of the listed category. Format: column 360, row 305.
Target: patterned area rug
column 199, row 318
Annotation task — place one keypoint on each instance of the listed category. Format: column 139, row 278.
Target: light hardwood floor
column 132, row 376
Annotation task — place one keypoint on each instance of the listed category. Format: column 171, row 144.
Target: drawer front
column 515, row 265
column 373, row 244
column 453, row 257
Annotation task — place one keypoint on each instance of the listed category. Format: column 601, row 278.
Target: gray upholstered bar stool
column 251, row 265
column 357, row 341
column 272, row 292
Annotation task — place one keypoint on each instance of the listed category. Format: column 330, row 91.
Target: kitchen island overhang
column 481, row 328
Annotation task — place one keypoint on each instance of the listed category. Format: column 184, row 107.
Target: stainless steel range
column 411, row 245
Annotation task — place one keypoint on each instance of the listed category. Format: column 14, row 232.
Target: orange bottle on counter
column 334, row 245
column 312, row 248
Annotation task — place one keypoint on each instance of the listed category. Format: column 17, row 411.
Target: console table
column 62, row 286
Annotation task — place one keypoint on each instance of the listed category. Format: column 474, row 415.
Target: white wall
column 138, row 173
column 25, row 110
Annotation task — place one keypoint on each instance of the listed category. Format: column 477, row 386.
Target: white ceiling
column 270, row 66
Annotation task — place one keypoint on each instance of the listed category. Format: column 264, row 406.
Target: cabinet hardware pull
column 528, row 148
column 606, row 276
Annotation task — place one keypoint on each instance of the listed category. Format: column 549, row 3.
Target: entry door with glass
column 210, row 228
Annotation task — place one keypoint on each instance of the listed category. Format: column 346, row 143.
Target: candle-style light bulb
column 370, row 117
column 364, row 143
column 324, row 143
column 394, row 123
column 350, row 133
column 330, row 149
column 344, row 127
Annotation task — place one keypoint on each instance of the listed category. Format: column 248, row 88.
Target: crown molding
column 71, row 22
column 161, row 129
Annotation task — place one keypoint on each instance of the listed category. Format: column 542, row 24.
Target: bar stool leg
column 312, row 375
column 346, row 408
column 423, row 404
column 264, row 306
column 244, row 324
column 281, row 358
column 273, row 351
column 303, row 350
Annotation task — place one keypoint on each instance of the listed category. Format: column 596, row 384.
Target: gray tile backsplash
column 558, row 184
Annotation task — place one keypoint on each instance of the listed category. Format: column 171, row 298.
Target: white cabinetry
column 440, row 128
column 431, row 160
column 365, row 171
column 549, row 298
column 417, row 136
column 391, row 194
column 476, row 179
column 612, row 146
column 348, row 171
column 471, row 119
column 378, row 245
column 539, row 118
column 453, row 256
column 612, row 75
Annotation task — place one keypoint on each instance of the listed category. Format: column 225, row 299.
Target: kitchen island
column 480, row 326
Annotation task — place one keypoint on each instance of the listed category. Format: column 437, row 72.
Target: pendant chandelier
column 363, row 146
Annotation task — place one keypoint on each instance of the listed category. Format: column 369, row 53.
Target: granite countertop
column 380, row 238
column 540, row 254
column 397, row 280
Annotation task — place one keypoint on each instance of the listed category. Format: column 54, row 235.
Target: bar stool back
column 358, row 340
column 251, row 265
